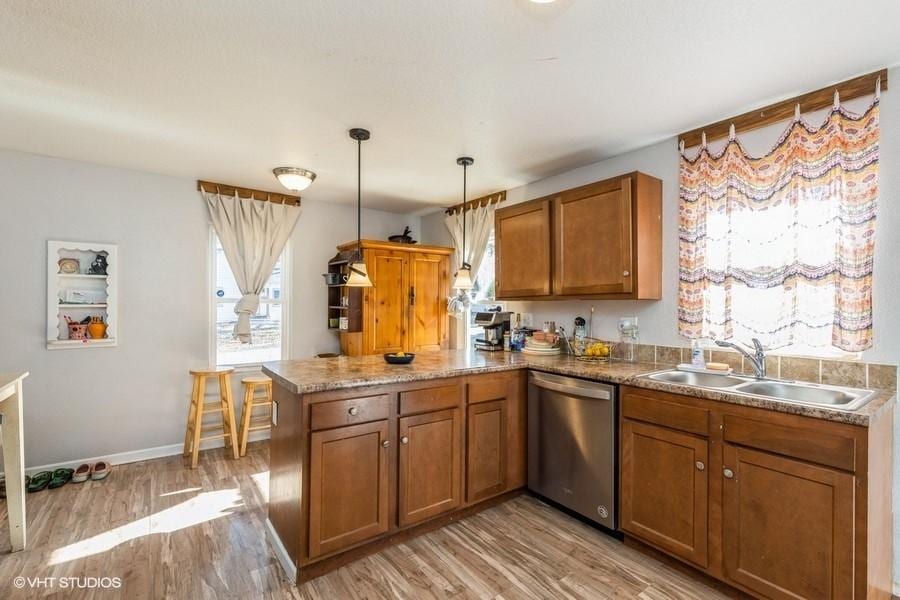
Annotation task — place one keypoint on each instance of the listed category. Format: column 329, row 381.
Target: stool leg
column 246, row 413
column 192, row 414
column 228, row 414
column 198, row 421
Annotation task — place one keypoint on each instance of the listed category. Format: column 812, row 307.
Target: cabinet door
column 430, row 465
column 428, row 301
column 386, row 303
column 348, row 482
column 787, row 526
column 664, row 489
column 522, row 250
column 592, row 250
column 486, row 450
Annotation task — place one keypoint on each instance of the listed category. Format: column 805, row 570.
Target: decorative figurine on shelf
column 98, row 267
column 403, row 238
column 97, row 328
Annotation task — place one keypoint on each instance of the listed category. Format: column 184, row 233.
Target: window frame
column 214, row 302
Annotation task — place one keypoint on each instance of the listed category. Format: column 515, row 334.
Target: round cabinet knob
column 404, row 440
column 626, row 273
column 353, row 411
column 700, row 465
column 728, row 473
column 386, row 443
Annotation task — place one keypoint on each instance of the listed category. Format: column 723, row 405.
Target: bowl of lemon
column 595, row 351
column 399, row 358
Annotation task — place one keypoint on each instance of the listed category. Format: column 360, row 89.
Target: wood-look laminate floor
column 167, row 531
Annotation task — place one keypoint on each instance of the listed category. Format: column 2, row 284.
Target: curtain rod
column 478, row 202
column 230, row 190
column 781, row 111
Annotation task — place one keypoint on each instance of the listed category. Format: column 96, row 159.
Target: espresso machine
column 495, row 324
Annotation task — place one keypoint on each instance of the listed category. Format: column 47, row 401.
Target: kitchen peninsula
column 364, row 454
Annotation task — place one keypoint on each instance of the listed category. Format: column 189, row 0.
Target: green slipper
column 39, row 481
column 60, row 478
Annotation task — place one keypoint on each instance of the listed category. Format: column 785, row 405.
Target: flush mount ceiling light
column 543, row 1
column 294, row 178
column 359, row 277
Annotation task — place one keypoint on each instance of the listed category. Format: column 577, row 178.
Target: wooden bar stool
column 251, row 401
column 200, row 407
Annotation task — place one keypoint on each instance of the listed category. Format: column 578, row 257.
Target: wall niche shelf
column 81, row 293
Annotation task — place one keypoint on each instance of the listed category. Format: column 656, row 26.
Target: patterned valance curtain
column 781, row 247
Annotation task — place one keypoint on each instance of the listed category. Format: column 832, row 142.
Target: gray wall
column 101, row 401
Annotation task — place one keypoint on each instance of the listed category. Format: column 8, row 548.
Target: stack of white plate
column 540, row 348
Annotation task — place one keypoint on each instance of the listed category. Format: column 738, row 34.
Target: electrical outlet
column 527, row 320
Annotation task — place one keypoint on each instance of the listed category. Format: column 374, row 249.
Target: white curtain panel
column 253, row 234
column 479, row 222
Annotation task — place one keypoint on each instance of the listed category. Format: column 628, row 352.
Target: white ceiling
column 227, row 90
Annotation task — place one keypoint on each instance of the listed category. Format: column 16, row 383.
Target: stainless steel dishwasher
column 572, row 444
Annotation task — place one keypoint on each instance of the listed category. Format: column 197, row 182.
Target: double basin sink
column 829, row 396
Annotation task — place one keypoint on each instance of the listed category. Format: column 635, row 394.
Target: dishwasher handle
column 574, row 387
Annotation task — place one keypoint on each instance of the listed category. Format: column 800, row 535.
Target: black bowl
column 393, row 359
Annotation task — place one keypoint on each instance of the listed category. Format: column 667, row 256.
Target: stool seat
column 212, row 371
column 257, row 379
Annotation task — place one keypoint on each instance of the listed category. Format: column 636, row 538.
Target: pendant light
column 359, row 277
column 463, row 277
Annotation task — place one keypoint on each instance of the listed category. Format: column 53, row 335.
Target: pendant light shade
column 463, row 278
column 359, row 276
column 294, row 178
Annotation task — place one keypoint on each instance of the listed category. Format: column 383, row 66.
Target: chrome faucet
column 758, row 360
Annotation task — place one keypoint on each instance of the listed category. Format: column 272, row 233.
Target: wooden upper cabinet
column 603, row 240
column 787, row 526
column 430, row 481
column 349, row 482
column 592, row 248
column 522, row 238
column 664, row 486
column 428, row 283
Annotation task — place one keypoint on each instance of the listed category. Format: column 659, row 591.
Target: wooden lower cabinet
column 664, row 489
column 774, row 504
column 787, row 526
column 486, row 450
column 349, row 486
column 430, row 481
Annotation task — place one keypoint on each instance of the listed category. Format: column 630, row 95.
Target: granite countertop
column 323, row 374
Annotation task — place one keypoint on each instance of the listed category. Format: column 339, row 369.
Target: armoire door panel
column 386, row 304
column 428, row 302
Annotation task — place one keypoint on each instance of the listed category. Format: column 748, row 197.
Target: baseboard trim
column 281, row 553
column 139, row 455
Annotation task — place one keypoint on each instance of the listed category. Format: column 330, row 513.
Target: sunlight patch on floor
column 199, row 509
column 184, row 491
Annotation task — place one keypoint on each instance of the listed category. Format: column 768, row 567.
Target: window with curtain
column 780, row 247
column 267, row 323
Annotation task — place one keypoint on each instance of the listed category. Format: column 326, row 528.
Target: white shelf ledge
column 83, row 305
column 80, row 276
column 89, row 343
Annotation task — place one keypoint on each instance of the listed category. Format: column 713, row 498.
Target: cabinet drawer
column 652, row 407
column 349, row 412
column 823, row 447
column 485, row 390
column 427, row 399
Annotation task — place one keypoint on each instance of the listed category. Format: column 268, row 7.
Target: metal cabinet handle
column 404, row 440
column 700, row 466
column 353, row 411
column 412, row 296
column 728, row 473
column 386, row 443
